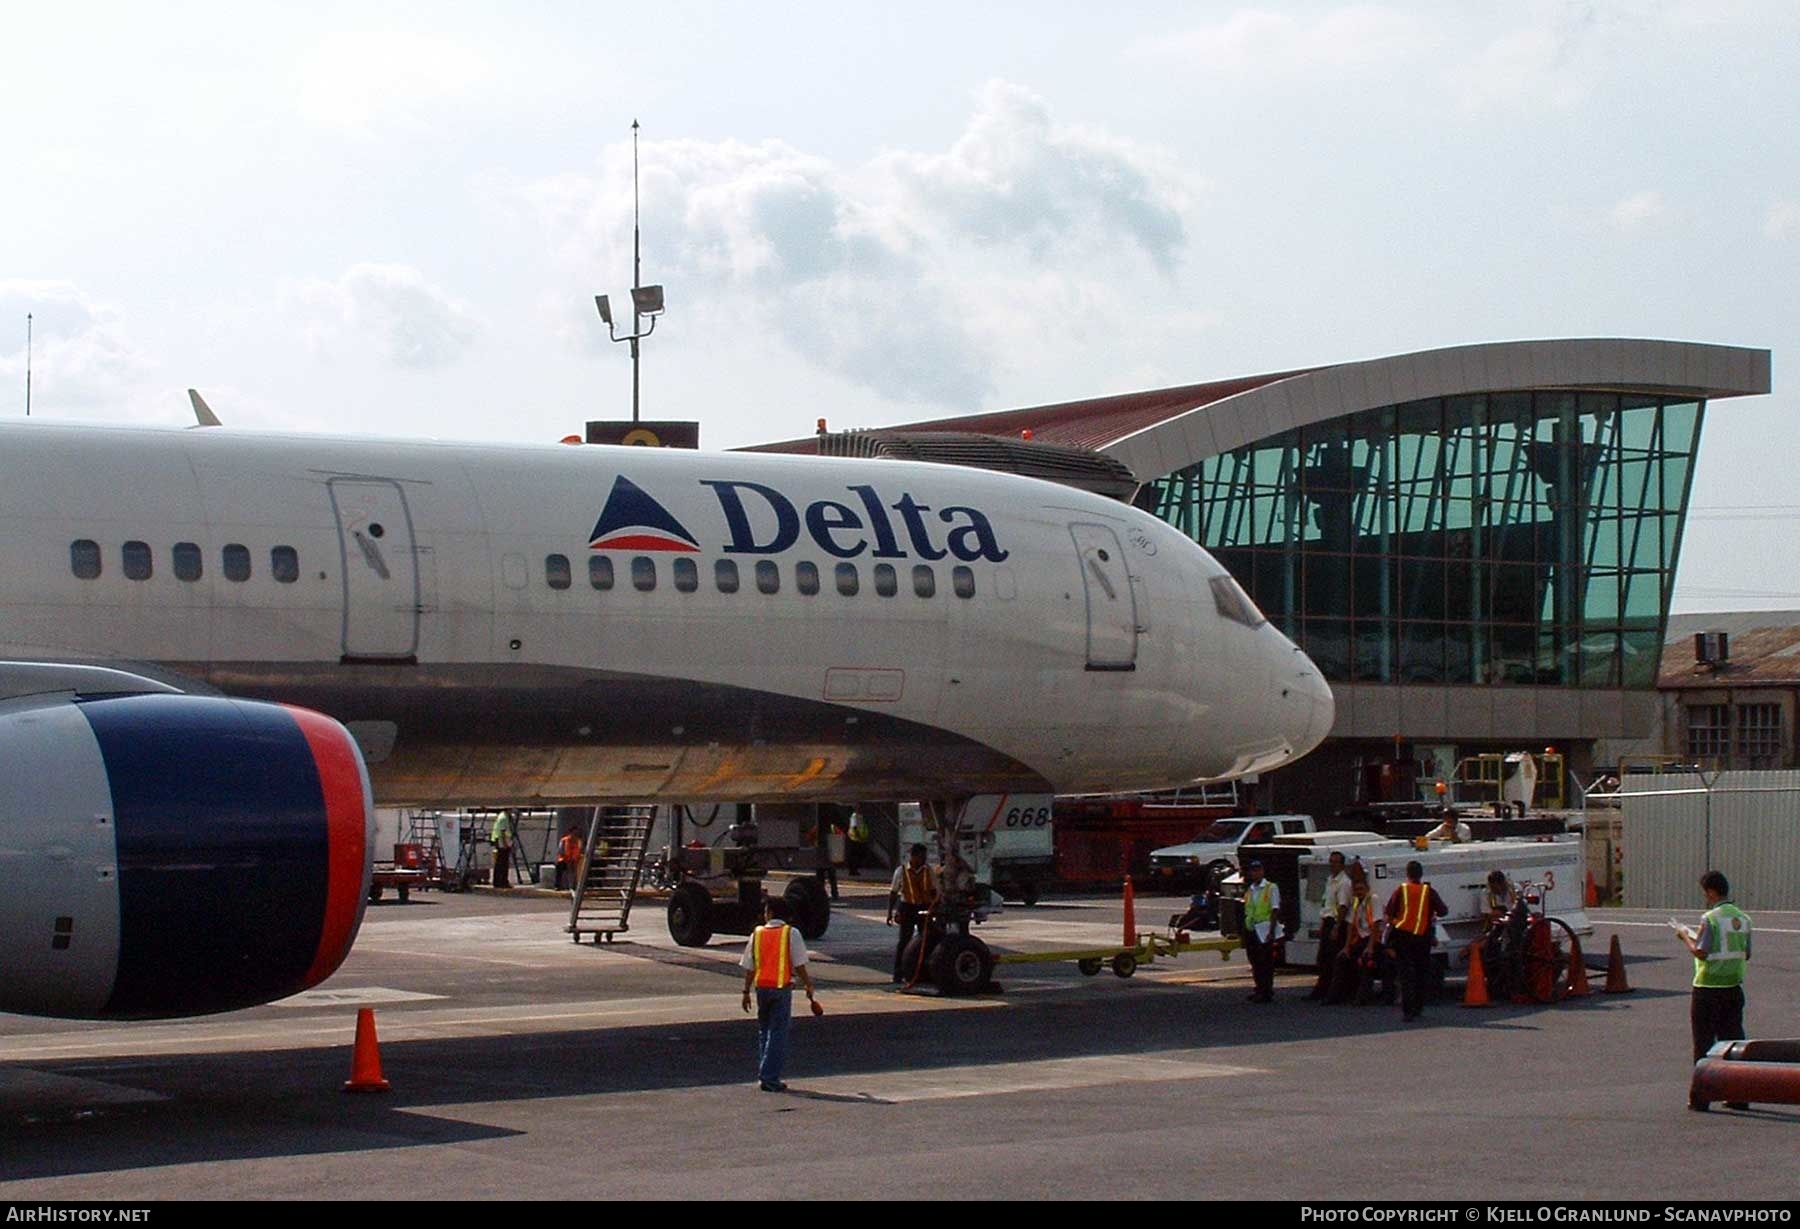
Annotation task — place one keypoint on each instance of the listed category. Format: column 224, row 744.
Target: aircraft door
column 381, row 574
column 1112, row 622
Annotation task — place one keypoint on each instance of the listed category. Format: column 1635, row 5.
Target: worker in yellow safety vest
column 1721, row 950
column 1262, row 927
column 774, row 957
column 1412, row 913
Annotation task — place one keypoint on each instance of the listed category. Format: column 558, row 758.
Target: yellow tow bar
column 1125, row 960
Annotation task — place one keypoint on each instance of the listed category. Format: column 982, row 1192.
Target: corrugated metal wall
column 1755, row 838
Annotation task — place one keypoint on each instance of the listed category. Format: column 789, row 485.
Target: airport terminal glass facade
column 1515, row 538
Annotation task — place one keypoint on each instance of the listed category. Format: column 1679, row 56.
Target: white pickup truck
column 1213, row 854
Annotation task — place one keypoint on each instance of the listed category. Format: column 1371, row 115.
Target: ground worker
column 913, row 892
column 501, row 837
column 1450, row 828
column 775, row 955
column 1262, row 925
column 1503, row 944
column 1721, row 950
column 957, row 883
column 1360, row 960
column 568, row 859
column 856, row 847
column 1411, row 913
column 1332, row 907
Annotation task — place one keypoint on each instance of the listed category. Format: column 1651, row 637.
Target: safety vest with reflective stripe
column 915, row 887
column 1725, row 934
column 1359, row 918
column 1415, row 908
column 773, row 971
column 571, row 847
column 1258, row 907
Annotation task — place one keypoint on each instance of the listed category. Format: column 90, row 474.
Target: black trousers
column 1412, row 953
column 1331, row 942
column 1717, row 1014
column 908, row 917
column 502, row 860
column 1262, row 962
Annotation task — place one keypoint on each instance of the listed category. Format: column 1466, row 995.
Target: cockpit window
column 1234, row 603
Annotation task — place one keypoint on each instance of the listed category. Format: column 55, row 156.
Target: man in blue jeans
column 775, row 955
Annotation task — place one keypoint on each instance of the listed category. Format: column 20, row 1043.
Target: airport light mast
column 645, row 300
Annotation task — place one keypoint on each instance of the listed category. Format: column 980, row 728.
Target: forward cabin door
column 1112, row 622
column 381, row 572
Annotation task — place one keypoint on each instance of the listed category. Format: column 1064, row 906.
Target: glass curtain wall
column 1525, row 538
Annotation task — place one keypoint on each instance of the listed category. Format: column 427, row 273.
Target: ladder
column 600, row 904
column 422, row 830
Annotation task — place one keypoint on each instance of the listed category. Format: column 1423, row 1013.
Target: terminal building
column 1477, row 545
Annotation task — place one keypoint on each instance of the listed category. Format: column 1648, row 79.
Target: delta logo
column 763, row 521
column 631, row 520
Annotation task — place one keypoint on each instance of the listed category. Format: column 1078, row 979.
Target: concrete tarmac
column 525, row 1066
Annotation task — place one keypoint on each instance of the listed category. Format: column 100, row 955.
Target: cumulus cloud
column 1260, row 43
column 1783, row 217
column 888, row 273
column 362, row 81
column 80, row 355
column 1639, row 208
column 392, row 308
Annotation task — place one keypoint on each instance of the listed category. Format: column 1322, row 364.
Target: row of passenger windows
column 138, row 561
column 685, row 574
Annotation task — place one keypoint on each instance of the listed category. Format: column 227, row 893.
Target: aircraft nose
column 1304, row 701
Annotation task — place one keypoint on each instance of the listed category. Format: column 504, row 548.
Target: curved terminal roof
column 1163, row 430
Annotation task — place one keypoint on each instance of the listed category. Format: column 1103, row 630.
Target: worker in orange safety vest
column 568, row 859
column 1412, row 913
column 774, row 957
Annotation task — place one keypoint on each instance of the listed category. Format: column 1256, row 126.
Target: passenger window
column 768, row 577
column 600, row 573
column 885, row 583
column 687, row 576
column 962, row 579
column 84, row 559
column 725, row 575
column 806, row 578
column 136, row 556
column 846, row 579
column 643, row 573
column 236, row 558
column 187, row 561
column 284, row 563
column 556, row 571
column 924, row 581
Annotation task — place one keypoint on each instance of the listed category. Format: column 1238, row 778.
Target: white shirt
column 1446, row 831
column 1265, row 929
column 898, row 887
column 796, row 950
column 1336, row 901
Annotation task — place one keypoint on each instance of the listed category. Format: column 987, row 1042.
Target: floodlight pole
column 640, row 293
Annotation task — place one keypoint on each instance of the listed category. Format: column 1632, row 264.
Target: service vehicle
column 1213, row 853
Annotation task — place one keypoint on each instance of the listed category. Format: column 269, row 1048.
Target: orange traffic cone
column 1477, row 993
column 1593, row 893
column 1615, row 970
column 1578, row 981
column 365, row 1064
column 1130, row 914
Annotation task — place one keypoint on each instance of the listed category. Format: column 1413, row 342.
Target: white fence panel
column 1749, row 821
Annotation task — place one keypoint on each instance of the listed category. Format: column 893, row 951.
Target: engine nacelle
column 174, row 855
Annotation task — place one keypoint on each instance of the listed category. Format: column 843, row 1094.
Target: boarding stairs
column 422, row 832
column 600, row 903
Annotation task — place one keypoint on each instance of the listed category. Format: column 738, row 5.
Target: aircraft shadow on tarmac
column 260, row 1104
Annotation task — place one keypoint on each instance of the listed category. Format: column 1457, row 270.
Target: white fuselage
column 507, row 623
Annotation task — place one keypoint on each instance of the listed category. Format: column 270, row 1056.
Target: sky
column 393, row 218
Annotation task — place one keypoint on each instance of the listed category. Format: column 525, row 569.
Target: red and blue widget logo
column 632, row 520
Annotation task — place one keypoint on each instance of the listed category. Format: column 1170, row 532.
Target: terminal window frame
column 1709, row 732
column 1756, row 736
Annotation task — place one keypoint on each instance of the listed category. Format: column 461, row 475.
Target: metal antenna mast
column 637, row 271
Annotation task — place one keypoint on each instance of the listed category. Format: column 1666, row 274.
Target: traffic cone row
column 1578, row 979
